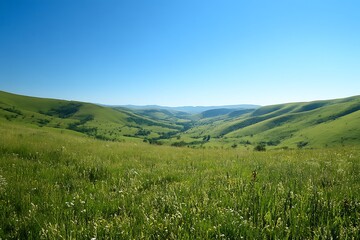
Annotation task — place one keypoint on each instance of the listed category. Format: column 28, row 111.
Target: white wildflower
column 3, row 182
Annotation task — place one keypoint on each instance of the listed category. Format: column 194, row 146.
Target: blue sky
column 181, row 52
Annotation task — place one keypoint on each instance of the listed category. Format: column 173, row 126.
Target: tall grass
column 59, row 186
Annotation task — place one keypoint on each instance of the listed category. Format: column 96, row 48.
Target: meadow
column 57, row 184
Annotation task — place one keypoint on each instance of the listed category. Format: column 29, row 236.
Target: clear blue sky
column 181, row 52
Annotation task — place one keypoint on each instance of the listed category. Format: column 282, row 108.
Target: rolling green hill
column 57, row 181
column 294, row 125
column 312, row 124
column 57, row 184
column 90, row 119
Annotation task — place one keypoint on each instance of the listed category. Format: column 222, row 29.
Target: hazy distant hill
column 193, row 109
column 307, row 124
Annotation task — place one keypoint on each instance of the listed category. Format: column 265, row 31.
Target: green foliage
column 12, row 110
column 142, row 132
column 206, row 138
column 78, row 127
column 179, row 144
column 302, row 144
column 85, row 118
column 260, row 147
column 64, row 111
column 167, row 135
column 154, row 141
column 273, row 143
column 42, row 122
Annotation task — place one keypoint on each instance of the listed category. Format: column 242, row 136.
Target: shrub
column 302, row 144
column 260, row 147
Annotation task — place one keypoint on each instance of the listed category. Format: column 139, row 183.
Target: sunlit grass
column 54, row 185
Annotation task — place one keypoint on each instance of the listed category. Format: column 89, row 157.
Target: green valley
column 315, row 124
column 73, row 170
column 179, row 120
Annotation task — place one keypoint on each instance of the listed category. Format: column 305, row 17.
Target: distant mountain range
column 191, row 109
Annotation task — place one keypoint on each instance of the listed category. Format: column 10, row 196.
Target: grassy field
column 58, row 184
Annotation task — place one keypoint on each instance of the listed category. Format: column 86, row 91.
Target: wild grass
column 59, row 186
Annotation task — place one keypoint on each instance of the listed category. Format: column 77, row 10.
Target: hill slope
column 90, row 119
column 190, row 109
column 308, row 124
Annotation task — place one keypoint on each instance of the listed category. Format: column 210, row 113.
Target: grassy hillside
column 314, row 124
column 59, row 184
column 162, row 115
column 56, row 182
column 90, row 119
